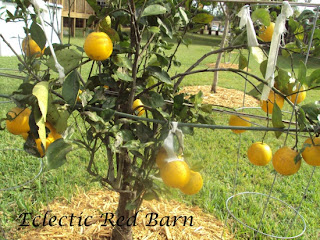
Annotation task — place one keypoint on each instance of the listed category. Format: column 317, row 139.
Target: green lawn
column 216, row 151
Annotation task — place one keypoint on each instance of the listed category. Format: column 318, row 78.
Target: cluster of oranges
column 18, row 124
column 177, row 174
column 285, row 160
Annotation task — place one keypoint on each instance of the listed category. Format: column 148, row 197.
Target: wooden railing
column 78, row 8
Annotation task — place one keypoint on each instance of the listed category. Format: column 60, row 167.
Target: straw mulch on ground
column 223, row 97
column 94, row 203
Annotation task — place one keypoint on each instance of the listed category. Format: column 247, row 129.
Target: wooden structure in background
column 79, row 12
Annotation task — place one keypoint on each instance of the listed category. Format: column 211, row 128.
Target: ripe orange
column 259, row 154
column 312, row 154
column 194, row 185
column 175, row 174
column 267, row 106
column 20, row 122
column 138, row 110
column 266, row 33
column 31, row 48
column 98, row 46
column 239, row 121
column 49, row 140
column 284, row 163
column 160, row 158
column 24, row 135
column 53, row 134
column 301, row 95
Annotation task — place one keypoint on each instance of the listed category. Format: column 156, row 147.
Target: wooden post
column 84, row 26
column 73, row 27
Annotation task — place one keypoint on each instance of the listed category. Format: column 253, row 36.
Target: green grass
column 216, row 150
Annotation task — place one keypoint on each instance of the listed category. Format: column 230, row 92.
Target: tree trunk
column 222, row 45
column 123, row 228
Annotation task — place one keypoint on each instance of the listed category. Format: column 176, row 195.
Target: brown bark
column 222, row 45
column 123, row 231
column 123, row 228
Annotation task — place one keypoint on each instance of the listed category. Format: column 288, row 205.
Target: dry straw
column 94, row 203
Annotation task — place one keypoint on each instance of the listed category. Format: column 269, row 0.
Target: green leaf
column 154, row 9
column 159, row 74
column 94, row 5
column 122, row 61
column 68, row 58
column 277, row 119
column 302, row 74
column 143, row 132
column 206, row 108
column 314, row 78
column 70, row 88
column 254, row 92
column 38, row 35
column 203, row 18
column 165, row 27
column 56, row 48
column 262, row 15
column 302, row 121
column 93, row 116
column 107, row 114
column 150, row 195
column 56, row 153
column 183, row 15
column 243, row 62
column 124, row 76
column 263, row 68
column 257, row 54
column 154, row 29
column 206, row 119
column 152, row 99
column 297, row 158
column 41, row 92
column 58, row 118
column 282, row 81
column 132, row 145
column 311, row 110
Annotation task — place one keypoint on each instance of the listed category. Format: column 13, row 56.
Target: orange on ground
column 239, row 121
column 98, row 46
column 312, row 154
column 284, row 161
column 259, row 154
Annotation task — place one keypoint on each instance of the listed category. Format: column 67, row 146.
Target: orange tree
column 127, row 105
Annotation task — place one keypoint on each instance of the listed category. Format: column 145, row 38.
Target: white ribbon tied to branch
column 279, row 30
column 41, row 7
column 245, row 20
column 168, row 143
